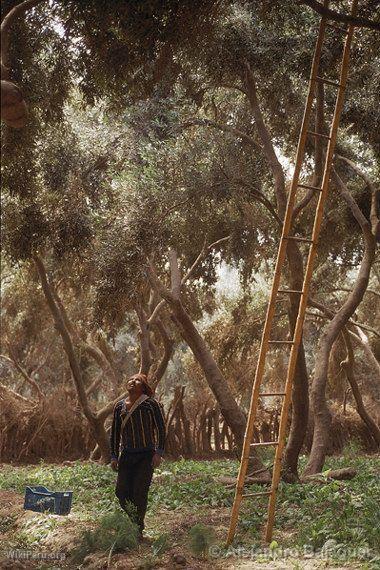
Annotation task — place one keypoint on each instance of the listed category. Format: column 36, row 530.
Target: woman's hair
column 147, row 389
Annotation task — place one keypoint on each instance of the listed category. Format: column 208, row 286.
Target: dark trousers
column 134, row 477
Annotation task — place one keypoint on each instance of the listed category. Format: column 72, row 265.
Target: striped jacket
column 145, row 429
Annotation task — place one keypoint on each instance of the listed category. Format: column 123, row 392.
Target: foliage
column 159, row 546
column 106, row 171
column 356, row 523
column 114, row 532
column 305, row 515
column 201, row 537
column 312, row 509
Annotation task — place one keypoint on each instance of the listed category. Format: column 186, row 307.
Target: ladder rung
column 309, row 187
column 328, row 81
column 258, row 494
column 264, row 443
column 339, row 28
column 322, row 135
column 289, row 291
column 273, row 394
column 297, row 238
column 280, row 342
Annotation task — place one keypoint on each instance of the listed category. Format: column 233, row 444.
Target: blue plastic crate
column 40, row 500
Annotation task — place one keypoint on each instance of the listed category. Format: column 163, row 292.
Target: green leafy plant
column 307, row 514
column 160, row 545
column 114, row 532
column 201, row 537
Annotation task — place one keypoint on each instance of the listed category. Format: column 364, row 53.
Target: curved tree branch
column 221, row 127
column 203, row 253
column 348, row 366
column 6, row 24
column 268, row 148
column 377, row 293
column 375, row 195
column 13, row 360
column 338, row 17
column 329, row 313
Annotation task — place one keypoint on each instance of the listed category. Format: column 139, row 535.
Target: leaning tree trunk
column 215, row 379
column 230, row 410
column 168, row 345
column 321, row 412
column 96, row 423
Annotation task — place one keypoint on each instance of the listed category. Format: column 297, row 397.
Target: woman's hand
column 156, row 460
column 114, row 464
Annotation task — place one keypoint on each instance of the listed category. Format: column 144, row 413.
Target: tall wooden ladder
column 267, row 341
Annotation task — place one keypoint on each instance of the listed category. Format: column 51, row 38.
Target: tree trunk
column 96, row 424
column 348, row 366
column 373, row 383
column 215, row 379
column 209, row 428
column 201, row 430
column 300, row 393
column 226, row 437
column 206, row 446
column 187, row 440
column 321, row 412
column 145, row 346
column 167, row 354
column 229, row 409
column 217, row 439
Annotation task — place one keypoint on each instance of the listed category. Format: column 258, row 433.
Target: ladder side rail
column 276, row 282
column 308, row 275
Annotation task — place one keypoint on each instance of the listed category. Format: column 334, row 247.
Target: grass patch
column 343, row 513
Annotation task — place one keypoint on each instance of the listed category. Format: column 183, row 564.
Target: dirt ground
column 64, row 533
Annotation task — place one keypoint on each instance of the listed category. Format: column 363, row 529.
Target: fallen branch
column 344, row 474
column 231, row 481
